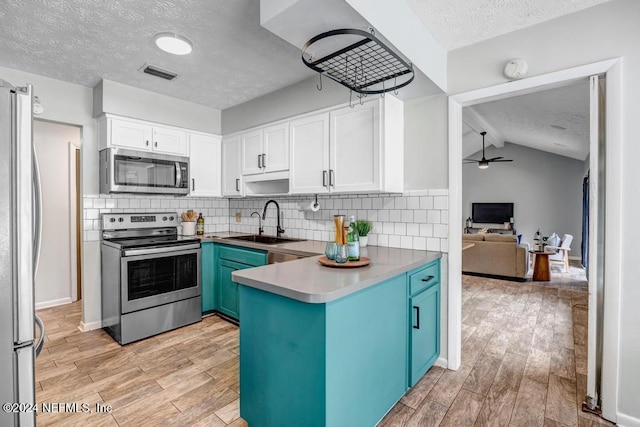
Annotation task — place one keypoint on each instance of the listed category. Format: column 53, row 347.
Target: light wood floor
column 184, row 377
column 524, row 363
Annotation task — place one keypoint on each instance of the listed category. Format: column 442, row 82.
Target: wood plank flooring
column 523, row 360
column 523, row 363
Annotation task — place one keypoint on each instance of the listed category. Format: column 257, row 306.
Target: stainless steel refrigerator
column 20, row 230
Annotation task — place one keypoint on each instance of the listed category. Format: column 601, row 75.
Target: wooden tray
column 349, row 264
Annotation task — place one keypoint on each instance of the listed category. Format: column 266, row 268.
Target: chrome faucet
column 279, row 230
column 260, row 229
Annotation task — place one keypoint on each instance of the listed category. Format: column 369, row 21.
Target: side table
column 541, row 272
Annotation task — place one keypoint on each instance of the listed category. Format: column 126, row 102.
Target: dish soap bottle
column 200, row 225
column 353, row 241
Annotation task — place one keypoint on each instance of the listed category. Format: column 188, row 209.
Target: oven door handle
column 166, row 249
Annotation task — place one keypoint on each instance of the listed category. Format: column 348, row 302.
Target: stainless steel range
column 150, row 275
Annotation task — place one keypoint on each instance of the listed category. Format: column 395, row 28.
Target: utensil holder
column 188, row 228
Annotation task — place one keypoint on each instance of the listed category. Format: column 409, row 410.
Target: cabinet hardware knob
column 417, row 325
column 428, row 278
column 264, row 160
column 259, row 161
column 193, row 184
column 146, row 143
column 237, row 184
column 332, row 178
column 155, row 143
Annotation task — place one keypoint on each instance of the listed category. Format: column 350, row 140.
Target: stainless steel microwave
column 130, row 171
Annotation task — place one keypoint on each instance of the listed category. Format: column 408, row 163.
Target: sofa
column 495, row 255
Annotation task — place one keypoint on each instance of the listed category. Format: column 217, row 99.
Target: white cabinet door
column 252, row 152
column 310, row 155
column 276, row 148
column 355, row 148
column 231, row 178
column 132, row 135
column 169, row 141
column 204, row 163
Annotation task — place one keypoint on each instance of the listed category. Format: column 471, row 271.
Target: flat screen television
column 491, row 213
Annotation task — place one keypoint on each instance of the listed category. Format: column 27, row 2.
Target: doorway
column 57, row 148
column 611, row 258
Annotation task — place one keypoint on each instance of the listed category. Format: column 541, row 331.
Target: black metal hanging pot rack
column 363, row 67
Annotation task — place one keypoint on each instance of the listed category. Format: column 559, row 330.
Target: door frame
column 613, row 199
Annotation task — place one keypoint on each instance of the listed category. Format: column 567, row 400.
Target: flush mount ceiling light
column 173, row 43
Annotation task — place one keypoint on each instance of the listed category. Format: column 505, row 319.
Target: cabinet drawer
column 245, row 256
column 424, row 278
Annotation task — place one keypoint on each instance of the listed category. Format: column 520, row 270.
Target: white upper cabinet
column 276, row 148
column 231, row 168
column 354, row 153
column 349, row 150
column 265, row 150
column 252, row 152
column 134, row 134
column 169, row 141
column 310, row 155
column 205, row 165
column 130, row 134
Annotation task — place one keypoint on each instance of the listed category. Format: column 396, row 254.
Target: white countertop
column 307, row 281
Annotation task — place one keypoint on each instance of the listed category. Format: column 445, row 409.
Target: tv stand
column 495, row 230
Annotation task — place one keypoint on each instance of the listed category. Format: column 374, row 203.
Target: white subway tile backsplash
column 440, row 230
column 415, row 220
column 407, row 216
column 426, row 202
column 441, row 202
column 433, row 217
column 413, row 202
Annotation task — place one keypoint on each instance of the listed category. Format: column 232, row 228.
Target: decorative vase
column 363, row 241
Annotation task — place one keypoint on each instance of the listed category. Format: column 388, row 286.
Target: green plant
column 363, row 227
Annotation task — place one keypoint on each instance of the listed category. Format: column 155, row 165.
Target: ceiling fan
column 484, row 162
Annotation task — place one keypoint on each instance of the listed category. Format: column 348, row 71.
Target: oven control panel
column 125, row 221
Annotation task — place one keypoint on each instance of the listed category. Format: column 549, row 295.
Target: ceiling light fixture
column 173, row 43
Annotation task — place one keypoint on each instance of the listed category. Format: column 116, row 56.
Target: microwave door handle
column 178, row 175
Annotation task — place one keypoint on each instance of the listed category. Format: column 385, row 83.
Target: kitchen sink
column 260, row 238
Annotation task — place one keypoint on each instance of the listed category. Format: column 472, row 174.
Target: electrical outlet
column 238, row 216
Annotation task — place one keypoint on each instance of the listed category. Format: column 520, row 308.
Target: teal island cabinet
column 335, row 347
column 219, row 261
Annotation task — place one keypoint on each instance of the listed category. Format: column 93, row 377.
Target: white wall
column 129, row 101
column 54, row 277
column 299, row 98
column 601, row 32
column 546, row 190
column 425, row 143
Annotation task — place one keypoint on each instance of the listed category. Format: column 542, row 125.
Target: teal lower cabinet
column 208, row 267
column 424, row 305
column 341, row 363
column 228, row 260
column 227, row 288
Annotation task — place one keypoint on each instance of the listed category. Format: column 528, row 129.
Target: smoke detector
column 516, row 69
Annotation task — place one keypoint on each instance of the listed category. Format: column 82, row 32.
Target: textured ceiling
column 82, row 41
column 537, row 120
column 458, row 23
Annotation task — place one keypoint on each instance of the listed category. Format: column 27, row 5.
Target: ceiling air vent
column 158, row 72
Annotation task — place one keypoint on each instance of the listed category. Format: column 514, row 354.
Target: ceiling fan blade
column 494, row 159
column 506, row 160
column 470, row 160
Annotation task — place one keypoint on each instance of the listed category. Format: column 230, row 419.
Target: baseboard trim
column 627, row 420
column 53, row 303
column 441, row 362
column 90, row 326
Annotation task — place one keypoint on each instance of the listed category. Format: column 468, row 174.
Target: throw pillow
column 553, row 240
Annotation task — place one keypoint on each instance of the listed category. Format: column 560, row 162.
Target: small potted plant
column 363, row 227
